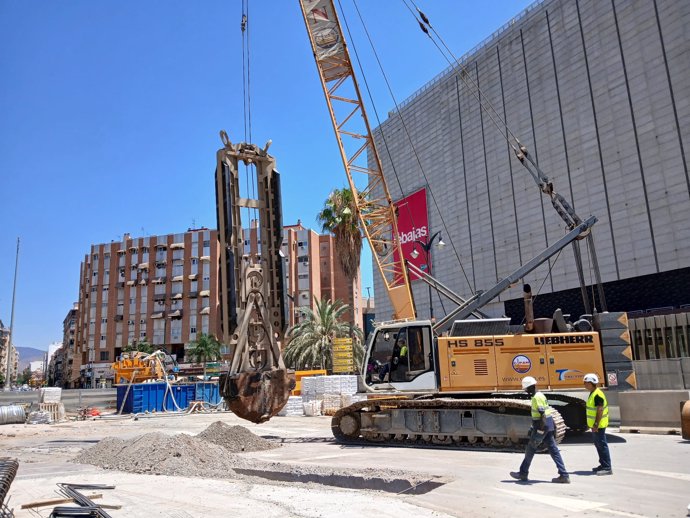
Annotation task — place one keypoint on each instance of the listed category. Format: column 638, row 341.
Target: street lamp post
column 426, row 247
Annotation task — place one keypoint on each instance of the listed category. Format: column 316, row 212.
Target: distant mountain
column 28, row 355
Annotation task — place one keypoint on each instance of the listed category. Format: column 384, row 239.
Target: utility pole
column 9, row 342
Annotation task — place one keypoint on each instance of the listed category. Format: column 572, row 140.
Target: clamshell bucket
column 257, row 396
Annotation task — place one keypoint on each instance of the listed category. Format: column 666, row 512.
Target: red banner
column 413, row 230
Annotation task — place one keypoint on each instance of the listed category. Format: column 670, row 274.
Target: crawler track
column 365, row 423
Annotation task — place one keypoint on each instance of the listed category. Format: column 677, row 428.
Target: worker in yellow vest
column 542, row 432
column 598, row 420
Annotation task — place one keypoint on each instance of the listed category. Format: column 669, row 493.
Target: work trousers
column 602, row 448
column 550, row 442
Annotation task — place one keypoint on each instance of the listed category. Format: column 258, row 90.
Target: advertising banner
column 413, row 230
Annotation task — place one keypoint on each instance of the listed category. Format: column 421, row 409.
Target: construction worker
column 598, row 420
column 542, row 432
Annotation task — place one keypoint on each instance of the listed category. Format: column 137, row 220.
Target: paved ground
column 652, row 475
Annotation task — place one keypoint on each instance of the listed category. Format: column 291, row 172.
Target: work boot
column 561, row 479
column 604, row 471
column 518, row 476
column 598, row 469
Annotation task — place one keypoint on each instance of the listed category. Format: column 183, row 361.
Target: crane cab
column 401, row 356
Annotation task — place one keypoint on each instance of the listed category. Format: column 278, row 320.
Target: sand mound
column 235, row 438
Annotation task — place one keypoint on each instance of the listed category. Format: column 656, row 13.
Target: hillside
column 27, row 355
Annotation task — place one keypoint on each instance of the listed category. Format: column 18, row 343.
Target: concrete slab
column 651, row 475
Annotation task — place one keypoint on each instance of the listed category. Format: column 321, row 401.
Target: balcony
column 160, row 314
column 119, row 318
column 205, row 293
column 177, row 246
column 193, row 294
column 175, row 314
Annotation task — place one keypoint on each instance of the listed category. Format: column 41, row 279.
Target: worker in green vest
column 543, row 431
column 598, row 420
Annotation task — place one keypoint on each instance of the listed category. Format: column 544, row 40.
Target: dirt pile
column 208, row 454
column 161, row 454
column 236, row 438
column 214, row 454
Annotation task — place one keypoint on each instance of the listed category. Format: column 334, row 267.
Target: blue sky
column 110, row 112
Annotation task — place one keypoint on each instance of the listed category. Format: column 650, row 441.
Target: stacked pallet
column 293, row 407
column 324, row 394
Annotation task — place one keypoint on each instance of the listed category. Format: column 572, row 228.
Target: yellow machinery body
column 137, row 369
column 498, row 363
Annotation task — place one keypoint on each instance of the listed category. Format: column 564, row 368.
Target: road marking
column 668, row 474
column 569, row 504
column 619, row 513
column 575, row 505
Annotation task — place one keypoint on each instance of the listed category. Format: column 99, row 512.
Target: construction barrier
column 651, row 410
column 616, row 349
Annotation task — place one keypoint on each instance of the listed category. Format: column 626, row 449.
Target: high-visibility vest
column 592, row 410
column 539, row 401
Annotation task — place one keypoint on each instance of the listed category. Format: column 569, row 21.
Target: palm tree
column 143, row 346
column 339, row 217
column 310, row 340
column 205, row 348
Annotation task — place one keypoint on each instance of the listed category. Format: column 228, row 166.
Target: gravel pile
column 160, row 454
column 235, row 438
column 213, row 454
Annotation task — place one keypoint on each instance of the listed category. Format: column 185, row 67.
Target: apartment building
column 63, row 373
column 312, row 268
column 4, row 349
column 161, row 289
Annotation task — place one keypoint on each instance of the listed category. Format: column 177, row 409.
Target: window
column 142, row 321
column 93, row 289
column 207, row 243
column 102, row 338
column 303, row 259
column 195, row 260
column 95, row 257
column 105, row 288
column 104, row 356
column 106, row 256
column 104, row 320
column 144, row 249
column 95, row 274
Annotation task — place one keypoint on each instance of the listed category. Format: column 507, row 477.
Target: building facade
column 159, row 289
column 599, row 92
column 312, row 268
column 5, row 349
column 63, row 372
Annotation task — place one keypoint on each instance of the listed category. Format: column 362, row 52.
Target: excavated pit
column 220, row 451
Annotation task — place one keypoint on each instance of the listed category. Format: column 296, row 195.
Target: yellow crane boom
column 375, row 207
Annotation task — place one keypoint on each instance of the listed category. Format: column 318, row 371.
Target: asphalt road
column 651, row 475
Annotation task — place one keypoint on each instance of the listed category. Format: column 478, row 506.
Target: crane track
column 350, row 418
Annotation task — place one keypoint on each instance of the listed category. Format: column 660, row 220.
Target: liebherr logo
column 563, row 339
column 415, row 233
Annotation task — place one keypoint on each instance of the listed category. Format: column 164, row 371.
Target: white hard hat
column 591, row 378
column 528, row 381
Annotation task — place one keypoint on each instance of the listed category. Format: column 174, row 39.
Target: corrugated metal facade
column 599, row 91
